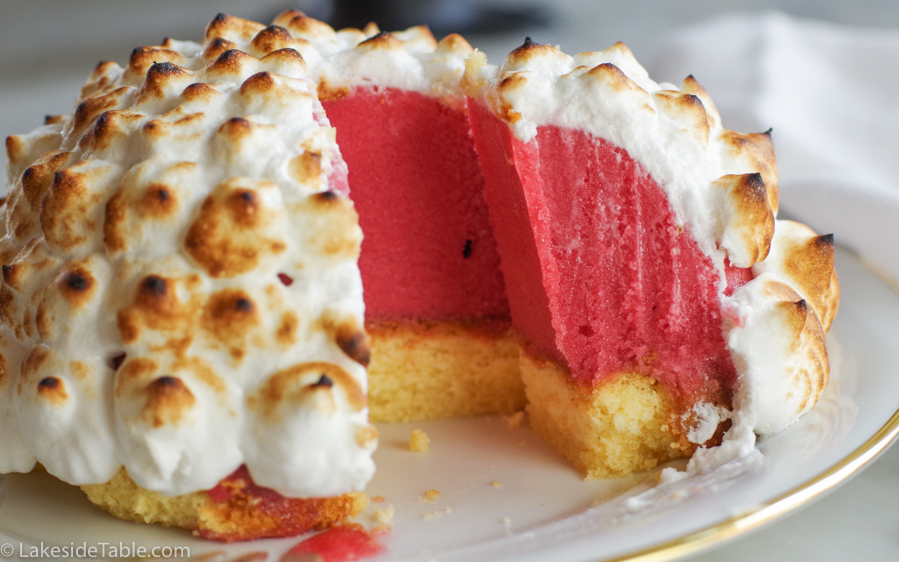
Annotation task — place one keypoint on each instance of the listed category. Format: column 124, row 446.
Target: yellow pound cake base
column 428, row 370
column 625, row 424
column 243, row 515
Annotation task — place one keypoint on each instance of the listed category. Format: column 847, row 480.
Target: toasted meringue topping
column 337, row 61
column 804, row 261
column 145, row 320
column 780, row 351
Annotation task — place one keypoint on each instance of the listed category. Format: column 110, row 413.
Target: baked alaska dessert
column 647, row 276
column 183, row 332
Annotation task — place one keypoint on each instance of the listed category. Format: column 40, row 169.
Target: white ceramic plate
column 505, row 496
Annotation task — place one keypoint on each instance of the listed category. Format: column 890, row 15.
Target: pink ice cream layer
column 428, row 251
column 599, row 275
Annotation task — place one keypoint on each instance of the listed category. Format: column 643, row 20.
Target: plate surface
column 504, row 495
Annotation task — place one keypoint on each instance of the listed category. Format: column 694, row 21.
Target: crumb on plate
column 432, row 515
column 419, row 441
column 384, row 516
column 429, row 496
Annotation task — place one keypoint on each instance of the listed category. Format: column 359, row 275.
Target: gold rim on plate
column 738, row 525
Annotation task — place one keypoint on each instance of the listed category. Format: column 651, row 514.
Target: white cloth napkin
column 831, row 96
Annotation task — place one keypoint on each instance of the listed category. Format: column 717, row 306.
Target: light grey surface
column 857, row 522
column 48, row 48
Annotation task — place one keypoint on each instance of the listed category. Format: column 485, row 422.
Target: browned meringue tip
column 230, row 27
column 687, row 109
column 748, row 220
column 691, row 86
column 757, row 151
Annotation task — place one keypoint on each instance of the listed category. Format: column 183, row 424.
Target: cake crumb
column 496, row 484
column 378, row 499
column 507, row 523
column 432, row 515
column 384, row 516
column 429, row 497
column 419, row 441
column 515, row 420
column 380, row 529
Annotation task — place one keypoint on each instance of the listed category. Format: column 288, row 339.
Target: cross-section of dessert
column 647, row 276
column 436, row 309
